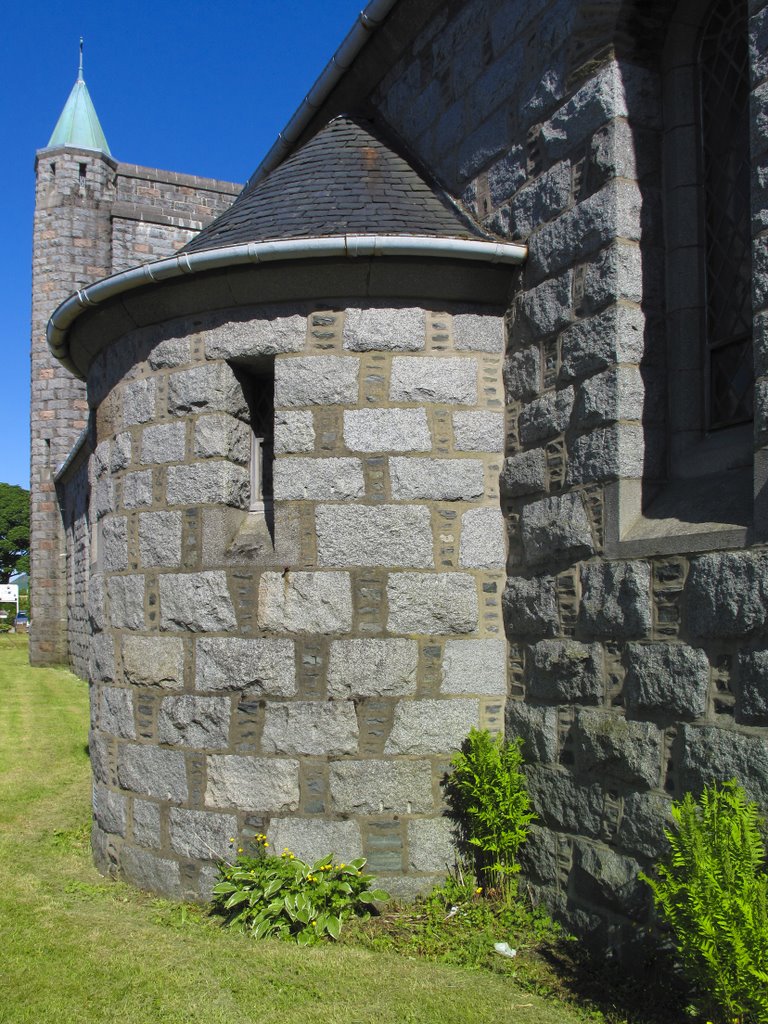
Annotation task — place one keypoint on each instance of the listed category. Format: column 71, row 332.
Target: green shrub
column 713, row 892
column 488, row 798
column 290, row 899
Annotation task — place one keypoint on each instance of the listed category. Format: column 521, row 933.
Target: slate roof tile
column 345, row 180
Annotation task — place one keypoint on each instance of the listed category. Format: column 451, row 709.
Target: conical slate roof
column 345, row 180
column 78, row 124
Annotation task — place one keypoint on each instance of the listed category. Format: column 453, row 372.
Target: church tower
column 75, row 182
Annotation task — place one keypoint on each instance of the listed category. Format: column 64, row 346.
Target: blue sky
column 198, row 87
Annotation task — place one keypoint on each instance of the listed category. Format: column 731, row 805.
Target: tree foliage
column 14, row 531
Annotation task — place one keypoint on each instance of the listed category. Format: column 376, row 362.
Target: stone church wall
column 637, row 644
column 308, row 677
column 93, row 217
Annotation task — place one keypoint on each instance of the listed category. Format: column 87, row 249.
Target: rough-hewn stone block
column 530, row 606
column 305, row 602
column 727, row 594
column 121, row 452
column 431, row 845
column 616, row 599
column 114, row 538
column 563, row 803
column 433, row 379
column 436, row 479
column 262, row 665
column 152, row 771
column 163, row 442
column 542, row 310
column 427, row 603
column 556, row 528
column 478, row 431
column 212, row 387
column 669, row 678
column 475, row 666
column 522, row 374
column 146, row 823
column 310, row 727
column 137, row 489
column 537, row 726
column 616, row 394
column 197, row 602
column 201, row 834
column 222, row 436
column 525, row 473
column 101, row 659
column 153, row 661
column 116, row 712
column 126, row 601
column 546, row 416
column 376, row 787
column 194, row 721
column 317, row 380
column 607, row 453
column 483, row 536
column 384, row 329
column 381, row 430
column 160, row 538
column 606, row 878
column 390, row 535
column 139, row 401
column 711, row 755
column 565, row 671
column 252, row 783
column 615, row 335
column 109, row 810
column 431, row 726
column 476, row 333
column 146, row 871
column 265, row 333
column 294, row 431
column 607, row 744
column 372, row 668
column 313, row 838
column 752, row 700
column 214, row 482
column 318, row 479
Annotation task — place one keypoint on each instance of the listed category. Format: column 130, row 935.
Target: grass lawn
column 76, row 947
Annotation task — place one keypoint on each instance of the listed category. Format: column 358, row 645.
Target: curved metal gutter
column 268, row 252
column 367, row 22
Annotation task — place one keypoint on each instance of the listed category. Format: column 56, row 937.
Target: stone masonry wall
column 93, row 217
column 638, row 676
column 73, row 489
column 71, row 248
column 305, row 673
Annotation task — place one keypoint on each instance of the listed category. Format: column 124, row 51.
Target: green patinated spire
column 78, row 124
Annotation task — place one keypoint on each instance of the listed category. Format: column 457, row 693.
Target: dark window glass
column 724, row 96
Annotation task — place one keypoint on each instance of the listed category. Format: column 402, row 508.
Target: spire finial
column 80, row 69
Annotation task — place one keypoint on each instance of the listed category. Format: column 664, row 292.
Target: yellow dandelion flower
column 479, row 889
column 239, row 849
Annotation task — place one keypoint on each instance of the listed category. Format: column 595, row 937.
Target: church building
column 454, row 416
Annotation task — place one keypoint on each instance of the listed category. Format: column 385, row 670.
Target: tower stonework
column 94, row 216
column 72, row 245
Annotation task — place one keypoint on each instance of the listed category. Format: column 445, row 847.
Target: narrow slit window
column 258, row 388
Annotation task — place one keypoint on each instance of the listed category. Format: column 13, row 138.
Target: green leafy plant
column 489, row 800
column 712, row 890
column 288, row 898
